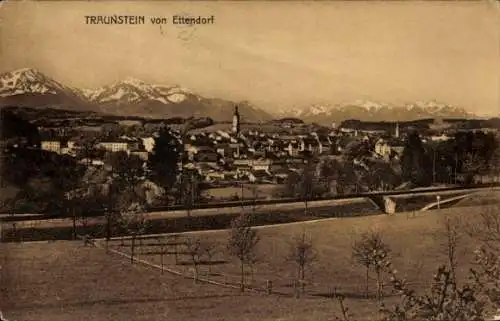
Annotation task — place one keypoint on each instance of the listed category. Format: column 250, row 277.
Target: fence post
column 175, row 251
column 269, row 286
column 161, row 256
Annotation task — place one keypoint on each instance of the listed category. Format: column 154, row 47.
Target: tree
column 254, row 192
column 116, row 187
column 195, row 251
column 133, row 221
column 486, row 274
column 87, row 147
column 242, row 243
column 126, row 170
column 415, row 162
column 189, row 190
column 209, row 249
column 16, row 130
column 303, row 254
column 452, row 238
column 163, row 159
column 444, row 301
column 372, row 252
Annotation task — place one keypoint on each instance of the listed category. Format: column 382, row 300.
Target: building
column 149, row 143
column 51, row 146
column 236, row 121
column 61, row 146
column 382, row 148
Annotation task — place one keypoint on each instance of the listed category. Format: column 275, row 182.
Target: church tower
column 236, row 121
column 396, row 133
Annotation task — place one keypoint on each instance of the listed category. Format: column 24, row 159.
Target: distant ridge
column 29, row 87
column 373, row 111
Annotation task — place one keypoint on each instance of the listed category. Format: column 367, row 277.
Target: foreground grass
column 66, row 281
column 418, row 248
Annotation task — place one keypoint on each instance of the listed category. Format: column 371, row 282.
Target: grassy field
column 66, row 281
column 417, row 249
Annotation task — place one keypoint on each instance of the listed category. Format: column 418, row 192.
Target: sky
column 274, row 54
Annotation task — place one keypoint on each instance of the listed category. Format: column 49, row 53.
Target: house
column 325, row 145
column 260, row 164
column 214, row 176
column 142, row 154
column 294, row 147
column 382, row 148
column 388, row 149
column 51, row 145
column 114, row 145
column 440, row 138
column 148, row 143
column 311, row 145
column 236, row 149
column 260, row 176
column 224, row 150
column 206, row 155
column 280, row 175
column 59, row 146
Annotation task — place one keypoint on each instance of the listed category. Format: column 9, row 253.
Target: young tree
column 133, row 221
column 303, row 254
column 242, row 243
column 255, row 197
column 195, row 251
column 372, row 252
column 190, row 191
column 210, row 250
column 306, row 187
column 452, row 238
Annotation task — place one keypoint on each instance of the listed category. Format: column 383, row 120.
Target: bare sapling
column 303, row 254
column 242, row 243
column 195, row 250
column 373, row 253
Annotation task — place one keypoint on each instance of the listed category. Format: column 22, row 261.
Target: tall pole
column 242, row 206
column 434, row 166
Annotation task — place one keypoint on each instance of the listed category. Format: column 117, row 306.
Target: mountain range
column 133, row 97
column 130, row 97
column 374, row 111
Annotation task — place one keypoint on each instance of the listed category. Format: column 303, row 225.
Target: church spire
column 236, row 121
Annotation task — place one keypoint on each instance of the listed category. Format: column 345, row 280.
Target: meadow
column 64, row 280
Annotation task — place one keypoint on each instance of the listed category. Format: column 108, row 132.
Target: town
column 240, row 160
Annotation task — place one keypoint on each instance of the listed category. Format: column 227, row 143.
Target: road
column 266, row 208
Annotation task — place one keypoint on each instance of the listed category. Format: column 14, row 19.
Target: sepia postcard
column 250, row 160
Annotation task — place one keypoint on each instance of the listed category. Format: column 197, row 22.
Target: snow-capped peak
column 28, row 81
column 133, row 90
